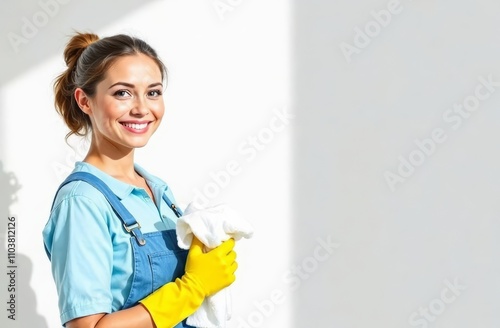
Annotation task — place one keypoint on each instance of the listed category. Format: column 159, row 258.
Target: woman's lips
column 136, row 127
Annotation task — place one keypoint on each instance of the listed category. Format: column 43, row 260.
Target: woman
column 111, row 232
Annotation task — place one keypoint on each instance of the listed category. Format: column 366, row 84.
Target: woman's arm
column 133, row 317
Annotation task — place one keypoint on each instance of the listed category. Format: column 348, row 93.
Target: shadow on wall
column 33, row 30
column 20, row 296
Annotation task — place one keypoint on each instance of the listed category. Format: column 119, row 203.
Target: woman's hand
column 213, row 270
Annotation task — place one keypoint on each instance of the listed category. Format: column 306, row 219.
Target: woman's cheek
column 123, row 106
column 159, row 110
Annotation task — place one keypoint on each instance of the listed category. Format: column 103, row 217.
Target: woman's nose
column 140, row 107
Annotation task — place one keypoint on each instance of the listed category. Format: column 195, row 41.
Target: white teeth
column 136, row 126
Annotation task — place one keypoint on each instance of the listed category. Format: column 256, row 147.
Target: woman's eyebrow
column 130, row 85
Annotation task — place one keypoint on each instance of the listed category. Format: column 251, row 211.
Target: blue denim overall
column 157, row 257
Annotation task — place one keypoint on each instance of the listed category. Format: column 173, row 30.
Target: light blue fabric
column 91, row 253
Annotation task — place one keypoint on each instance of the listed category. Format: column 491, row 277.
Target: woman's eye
column 122, row 93
column 154, row 93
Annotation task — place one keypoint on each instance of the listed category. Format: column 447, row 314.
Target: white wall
column 335, row 245
column 399, row 248
column 229, row 74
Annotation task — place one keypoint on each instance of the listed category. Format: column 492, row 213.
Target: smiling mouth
column 136, row 126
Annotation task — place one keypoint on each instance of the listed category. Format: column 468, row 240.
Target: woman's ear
column 83, row 101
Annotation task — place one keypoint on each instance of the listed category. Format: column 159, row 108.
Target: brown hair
column 87, row 59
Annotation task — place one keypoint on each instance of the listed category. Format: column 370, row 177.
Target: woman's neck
column 117, row 162
column 119, row 168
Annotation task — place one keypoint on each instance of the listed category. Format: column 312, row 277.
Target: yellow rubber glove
column 205, row 274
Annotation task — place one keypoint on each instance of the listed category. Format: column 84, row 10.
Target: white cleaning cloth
column 211, row 226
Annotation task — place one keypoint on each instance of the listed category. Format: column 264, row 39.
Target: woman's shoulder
column 79, row 190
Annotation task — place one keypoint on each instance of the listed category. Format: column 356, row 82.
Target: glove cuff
column 174, row 301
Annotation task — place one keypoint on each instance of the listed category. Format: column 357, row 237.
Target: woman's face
column 128, row 104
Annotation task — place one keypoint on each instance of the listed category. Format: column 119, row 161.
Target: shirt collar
column 119, row 188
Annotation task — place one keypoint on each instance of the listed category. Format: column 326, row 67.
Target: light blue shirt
column 91, row 254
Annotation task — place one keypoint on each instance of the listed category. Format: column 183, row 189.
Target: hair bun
column 76, row 45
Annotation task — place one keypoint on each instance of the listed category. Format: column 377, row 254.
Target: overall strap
column 129, row 222
column 174, row 208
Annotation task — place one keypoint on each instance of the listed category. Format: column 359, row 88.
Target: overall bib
column 157, row 258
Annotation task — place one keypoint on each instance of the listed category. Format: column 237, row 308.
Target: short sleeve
column 78, row 240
